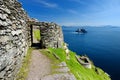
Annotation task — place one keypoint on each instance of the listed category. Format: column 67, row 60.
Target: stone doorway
column 35, row 36
column 50, row 35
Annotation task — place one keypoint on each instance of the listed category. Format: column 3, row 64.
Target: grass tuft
column 37, row 34
column 23, row 72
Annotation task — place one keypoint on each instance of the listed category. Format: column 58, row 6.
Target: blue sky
column 75, row 12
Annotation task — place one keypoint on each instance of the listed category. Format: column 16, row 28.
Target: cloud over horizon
column 75, row 12
column 47, row 4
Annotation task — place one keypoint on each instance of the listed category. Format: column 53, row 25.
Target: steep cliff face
column 14, row 37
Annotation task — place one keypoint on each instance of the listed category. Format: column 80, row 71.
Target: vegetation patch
column 83, row 73
column 23, row 72
column 37, row 34
column 80, row 72
column 54, row 60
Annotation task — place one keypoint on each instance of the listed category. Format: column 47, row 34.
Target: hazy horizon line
column 90, row 26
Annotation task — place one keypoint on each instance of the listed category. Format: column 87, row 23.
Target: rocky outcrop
column 14, row 37
column 83, row 60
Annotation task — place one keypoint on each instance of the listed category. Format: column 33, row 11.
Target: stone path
column 63, row 73
column 39, row 67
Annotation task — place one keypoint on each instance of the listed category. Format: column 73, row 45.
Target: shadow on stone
column 36, row 45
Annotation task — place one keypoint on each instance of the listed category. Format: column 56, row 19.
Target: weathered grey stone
column 83, row 60
column 2, row 73
column 5, row 9
column 51, row 35
column 63, row 69
column 16, row 32
column 9, row 21
column 5, row 23
column 61, row 76
column 3, row 16
column 4, row 39
column 62, row 64
column 14, row 38
column 2, row 32
column 3, row 62
column 1, row 23
column 1, row 2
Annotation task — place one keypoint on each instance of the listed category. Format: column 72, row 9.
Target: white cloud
column 72, row 11
column 78, row 1
column 69, row 24
column 47, row 4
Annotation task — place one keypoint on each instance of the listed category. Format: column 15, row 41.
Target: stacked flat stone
column 14, row 38
column 51, row 35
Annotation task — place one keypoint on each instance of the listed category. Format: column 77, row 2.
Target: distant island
column 81, row 30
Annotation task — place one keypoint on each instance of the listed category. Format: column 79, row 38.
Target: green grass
column 37, row 34
column 23, row 72
column 50, row 55
column 83, row 73
column 80, row 72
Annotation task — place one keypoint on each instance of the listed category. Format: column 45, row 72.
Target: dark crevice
column 36, row 45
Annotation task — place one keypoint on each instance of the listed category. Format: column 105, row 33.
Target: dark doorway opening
column 35, row 36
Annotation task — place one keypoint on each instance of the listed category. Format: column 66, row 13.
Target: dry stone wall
column 16, row 34
column 51, row 35
column 14, row 37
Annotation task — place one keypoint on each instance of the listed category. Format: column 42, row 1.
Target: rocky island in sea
column 82, row 30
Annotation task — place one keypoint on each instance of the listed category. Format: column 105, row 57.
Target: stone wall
column 51, row 35
column 14, row 37
column 16, row 34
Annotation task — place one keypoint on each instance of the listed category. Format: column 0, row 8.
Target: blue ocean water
column 101, row 44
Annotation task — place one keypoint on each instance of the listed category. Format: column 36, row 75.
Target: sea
column 100, row 44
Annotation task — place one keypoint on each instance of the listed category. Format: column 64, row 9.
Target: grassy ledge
column 23, row 72
column 80, row 72
column 37, row 34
